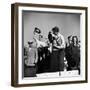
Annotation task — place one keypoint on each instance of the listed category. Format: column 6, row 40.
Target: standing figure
column 76, row 54
column 31, row 61
column 41, row 51
column 72, row 53
column 57, row 55
column 68, row 53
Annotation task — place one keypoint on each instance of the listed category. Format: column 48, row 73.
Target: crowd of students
column 50, row 54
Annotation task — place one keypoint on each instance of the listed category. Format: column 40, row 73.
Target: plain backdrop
column 68, row 24
column 5, row 45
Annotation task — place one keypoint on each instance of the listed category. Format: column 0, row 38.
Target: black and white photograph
column 51, row 44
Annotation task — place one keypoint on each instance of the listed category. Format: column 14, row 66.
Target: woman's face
column 40, row 38
column 75, row 41
column 36, row 35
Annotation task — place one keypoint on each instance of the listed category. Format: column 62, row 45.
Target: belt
column 31, row 66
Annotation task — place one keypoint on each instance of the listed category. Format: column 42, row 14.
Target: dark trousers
column 57, row 61
column 30, row 71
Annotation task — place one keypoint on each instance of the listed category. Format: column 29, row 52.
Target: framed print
column 48, row 44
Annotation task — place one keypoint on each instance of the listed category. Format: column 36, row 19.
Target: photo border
column 15, row 40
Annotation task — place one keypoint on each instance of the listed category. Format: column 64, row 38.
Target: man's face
column 70, row 40
column 56, row 33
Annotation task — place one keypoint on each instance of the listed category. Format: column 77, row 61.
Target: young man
column 57, row 55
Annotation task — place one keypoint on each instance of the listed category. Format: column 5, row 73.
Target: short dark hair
column 55, row 29
column 69, row 37
column 30, row 42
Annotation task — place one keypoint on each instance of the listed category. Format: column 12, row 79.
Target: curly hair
column 76, row 39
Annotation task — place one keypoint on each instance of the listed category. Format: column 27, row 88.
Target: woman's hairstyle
column 37, row 30
column 30, row 42
column 76, row 39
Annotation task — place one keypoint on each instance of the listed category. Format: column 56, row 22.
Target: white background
column 5, row 45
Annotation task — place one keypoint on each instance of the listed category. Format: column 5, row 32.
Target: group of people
column 49, row 54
